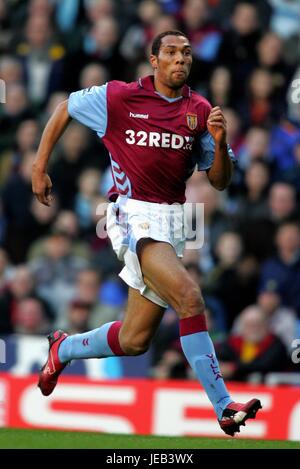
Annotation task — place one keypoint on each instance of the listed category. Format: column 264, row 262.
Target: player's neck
column 165, row 90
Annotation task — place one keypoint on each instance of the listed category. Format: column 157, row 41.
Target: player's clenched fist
column 41, row 186
column 216, row 125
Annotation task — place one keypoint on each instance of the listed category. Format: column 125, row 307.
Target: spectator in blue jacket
column 284, row 269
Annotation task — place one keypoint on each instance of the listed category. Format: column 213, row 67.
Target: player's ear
column 153, row 61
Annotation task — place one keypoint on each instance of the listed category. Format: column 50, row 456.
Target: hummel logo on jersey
column 139, row 116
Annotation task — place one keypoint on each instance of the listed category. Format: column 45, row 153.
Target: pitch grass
column 48, row 439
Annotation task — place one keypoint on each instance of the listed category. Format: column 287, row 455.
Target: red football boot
column 236, row 415
column 53, row 367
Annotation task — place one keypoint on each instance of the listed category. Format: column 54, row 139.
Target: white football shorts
column 128, row 221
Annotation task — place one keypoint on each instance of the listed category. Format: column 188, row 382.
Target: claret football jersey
column 154, row 142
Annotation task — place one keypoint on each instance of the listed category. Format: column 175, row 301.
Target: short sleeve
column 205, row 152
column 89, row 107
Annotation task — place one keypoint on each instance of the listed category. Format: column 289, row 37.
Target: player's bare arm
column 41, row 182
column 220, row 172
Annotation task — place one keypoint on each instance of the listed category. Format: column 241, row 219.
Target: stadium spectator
column 13, row 112
column 87, row 286
column 98, row 9
column 55, row 271
column 254, row 350
column 138, row 35
column 26, row 139
column 204, row 36
column 5, row 25
column 259, row 105
column 69, row 164
column 10, row 70
column 27, row 135
column 220, row 86
column 39, row 223
column 255, row 147
column 234, row 279
column 235, row 131
column 271, row 58
column 89, row 289
column 101, row 45
column 40, row 7
column 42, row 59
column 54, row 100
column 284, row 136
column 238, row 46
column 93, row 75
column 253, row 204
column 172, row 364
column 163, row 23
column 282, row 202
column 67, row 14
column 223, row 9
column 282, row 206
column 285, row 17
column 89, row 187
column 21, row 285
column 113, row 300
column 284, row 269
column 282, row 320
column 78, row 317
column 16, row 199
column 30, row 317
column 66, row 222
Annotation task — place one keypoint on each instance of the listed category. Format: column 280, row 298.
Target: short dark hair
column 157, row 40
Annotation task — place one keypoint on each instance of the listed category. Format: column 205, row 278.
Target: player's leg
column 140, row 323
column 165, row 273
column 132, row 336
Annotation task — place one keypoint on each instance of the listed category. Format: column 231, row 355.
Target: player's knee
column 133, row 346
column 190, row 300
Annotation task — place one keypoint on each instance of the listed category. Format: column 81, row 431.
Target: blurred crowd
column 54, row 269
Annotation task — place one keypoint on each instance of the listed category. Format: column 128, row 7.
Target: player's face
column 174, row 61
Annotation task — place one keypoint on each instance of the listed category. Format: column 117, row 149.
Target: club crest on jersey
column 192, row 121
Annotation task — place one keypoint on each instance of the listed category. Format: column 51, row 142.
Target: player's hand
column 216, row 125
column 41, row 186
